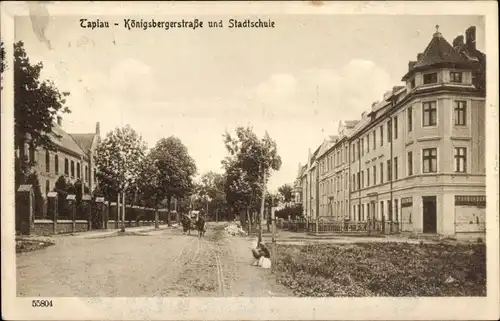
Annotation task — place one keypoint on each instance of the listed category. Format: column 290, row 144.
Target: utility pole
column 273, row 242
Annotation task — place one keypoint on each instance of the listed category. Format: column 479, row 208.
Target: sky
column 297, row 80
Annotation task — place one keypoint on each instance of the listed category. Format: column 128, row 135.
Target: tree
column 211, row 189
column 3, row 65
column 248, row 168
column 286, row 192
column 118, row 160
column 176, row 168
column 37, row 103
column 149, row 191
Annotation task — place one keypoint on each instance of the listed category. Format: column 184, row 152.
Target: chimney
column 98, row 129
column 458, row 41
column 470, row 37
column 411, row 64
column 419, row 56
column 59, row 121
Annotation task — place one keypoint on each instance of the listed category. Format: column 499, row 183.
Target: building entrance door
column 429, row 214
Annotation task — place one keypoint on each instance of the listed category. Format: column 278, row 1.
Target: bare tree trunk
column 119, row 211
column 123, row 211
column 262, row 204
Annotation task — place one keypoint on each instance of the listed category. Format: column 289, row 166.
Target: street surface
column 153, row 263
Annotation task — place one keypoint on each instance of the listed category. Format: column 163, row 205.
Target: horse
column 200, row 226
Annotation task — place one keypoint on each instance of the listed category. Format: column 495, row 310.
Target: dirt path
column 156, row 263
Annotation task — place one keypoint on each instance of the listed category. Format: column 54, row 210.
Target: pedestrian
column 261, row 251
column 200, row 225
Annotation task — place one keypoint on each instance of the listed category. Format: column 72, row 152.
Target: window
column 381, row 173
column 429, row 159
column 409, row 114
column 66, row 166
column 367, row 177
column 396, row 210
column 362, row 146
column 95, row 175
column 395, row 122
column 47, row 161
column 374, row 140
column 430, row 78
column 86, row 173
column 357, row 149
column 410, row 163
column 395, row 168
column 460, row 113
column 353, row 153
column 389, row 170
column 72, row 169
column 456, row 77
column 412, row 83
column 389, row 210
column 353, row 182
column 389, row 131
column 362, row 179
column 460, row 159
column 381, row 135
column 382, row 216
column 56, row 164
column 429, row 113
column 368, row 143
column 375, row 175
column 78, row 170
column 47, row 187
column 358, row 183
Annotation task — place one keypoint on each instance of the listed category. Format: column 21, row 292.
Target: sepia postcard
column 308, row 160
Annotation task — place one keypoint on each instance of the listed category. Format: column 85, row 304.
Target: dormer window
column 456, row 77
column 430, row 78
column 412, row 83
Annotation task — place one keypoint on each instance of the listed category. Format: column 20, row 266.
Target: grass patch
column 23, row 245
column 383, row 269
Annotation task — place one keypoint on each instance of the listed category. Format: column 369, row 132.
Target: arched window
column 66, row 166
column 56, row 163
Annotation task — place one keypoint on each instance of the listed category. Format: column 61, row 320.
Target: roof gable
column 85, row 141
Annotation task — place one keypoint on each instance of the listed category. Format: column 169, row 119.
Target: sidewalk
column 111, row 231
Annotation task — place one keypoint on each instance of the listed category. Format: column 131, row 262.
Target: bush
column 293, row 211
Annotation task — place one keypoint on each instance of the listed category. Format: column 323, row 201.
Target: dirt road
column 156, row 263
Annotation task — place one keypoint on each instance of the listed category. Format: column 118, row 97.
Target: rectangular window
column 409, row 115
column 367, row 177
column 410, row 163
column 353, row 187
column 381, row 135
column 389, row 170
column 47, row 187
column 72, row 169
column 374, row 140
column 395, row 122
column 396, row 210
column 357, row 149
column 389, row 210
column 389, row 131
column 460, row 113
column 429, row 160
column 430, row 78
column 368, row 143
column 353, row 153
column 56, row 164
column 460, row 159
column 456, row 77
column 362, row 179
column 412, row 83
column 429, row 113
column 395, row 168
column 47, row 161
column 374, row 175
column 358, row 183
column 382, row 173
column 362, row 146
column 382, row 214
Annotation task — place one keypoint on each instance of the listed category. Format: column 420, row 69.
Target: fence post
column 99, row 202
column 52, row 209
column 25, row 200
column 106, row 215
column 113, row 212
column 87, row 209
column 157, row 224
column 71, row 206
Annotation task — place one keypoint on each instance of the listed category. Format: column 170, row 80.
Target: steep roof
column 84, row 140
column 64, row 140
column 351, row 123
column 438, row 52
